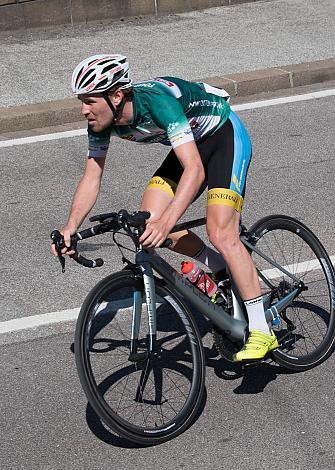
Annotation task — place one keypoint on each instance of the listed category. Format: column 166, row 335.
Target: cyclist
column 210, row 148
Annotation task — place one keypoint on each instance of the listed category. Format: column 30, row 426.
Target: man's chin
column 94, row 126
column 97, row 127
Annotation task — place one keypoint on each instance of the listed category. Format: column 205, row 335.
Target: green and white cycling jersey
column 170, row 111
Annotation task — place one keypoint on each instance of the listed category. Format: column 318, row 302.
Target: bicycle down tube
column 231, row 326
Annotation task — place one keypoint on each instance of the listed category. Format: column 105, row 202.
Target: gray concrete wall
column 21, row 14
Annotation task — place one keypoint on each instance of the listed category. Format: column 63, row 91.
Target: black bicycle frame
column 234, row 326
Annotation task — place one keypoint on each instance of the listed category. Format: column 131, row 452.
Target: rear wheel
column 306, row 333
column 155, row 397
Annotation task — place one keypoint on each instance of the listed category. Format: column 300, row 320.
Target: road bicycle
column 138, row 349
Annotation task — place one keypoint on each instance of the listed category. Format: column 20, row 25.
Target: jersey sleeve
column 168, row 114
column 98, row 143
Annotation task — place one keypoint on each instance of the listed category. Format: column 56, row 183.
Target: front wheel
column 154, row 397
column 306, row 333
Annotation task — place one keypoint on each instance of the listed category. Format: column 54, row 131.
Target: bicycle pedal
column 252, row 363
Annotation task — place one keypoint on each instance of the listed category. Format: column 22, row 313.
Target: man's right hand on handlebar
column 67, row 231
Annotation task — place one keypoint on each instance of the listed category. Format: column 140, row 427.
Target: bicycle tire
column 155, row 417
column 312, row 313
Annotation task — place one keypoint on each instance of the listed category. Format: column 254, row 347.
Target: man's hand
column 156, row 233
column 66, row 231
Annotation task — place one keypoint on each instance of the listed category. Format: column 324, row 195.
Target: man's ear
column 116, row 97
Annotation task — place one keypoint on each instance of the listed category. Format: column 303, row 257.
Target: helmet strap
column 116, row 110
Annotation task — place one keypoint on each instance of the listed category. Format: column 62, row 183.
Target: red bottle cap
column 186, row 267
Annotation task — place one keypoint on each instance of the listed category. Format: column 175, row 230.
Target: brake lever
column 58, row 240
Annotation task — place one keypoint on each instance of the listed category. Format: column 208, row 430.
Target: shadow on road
column 257, row 378
column 101, row 432
column 254, row 378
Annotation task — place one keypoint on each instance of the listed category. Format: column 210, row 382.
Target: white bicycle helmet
column 99, row 73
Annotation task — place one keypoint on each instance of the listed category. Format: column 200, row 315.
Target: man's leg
column 223, row 232
column 156, row 199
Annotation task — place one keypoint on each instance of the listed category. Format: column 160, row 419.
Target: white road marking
column 35, row 321
column 42, row 138
column 303, row 267
column 284, row 100
column 238, row 107
column 62, row 316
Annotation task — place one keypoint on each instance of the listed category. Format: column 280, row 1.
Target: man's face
column 96, row 111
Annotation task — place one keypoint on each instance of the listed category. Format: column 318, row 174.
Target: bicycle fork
column 150, row 299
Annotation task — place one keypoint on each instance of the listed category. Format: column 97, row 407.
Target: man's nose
column 85, row 111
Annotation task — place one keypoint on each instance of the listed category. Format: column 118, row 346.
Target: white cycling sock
column 210, row 258
column 256, row 315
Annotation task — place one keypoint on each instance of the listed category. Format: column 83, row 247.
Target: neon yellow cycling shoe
column 257, row 346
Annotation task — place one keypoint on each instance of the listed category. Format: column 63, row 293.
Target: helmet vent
column 109, row 67
column 101, row 84
column 103, row 62
column 79, row 74
column 85, row 77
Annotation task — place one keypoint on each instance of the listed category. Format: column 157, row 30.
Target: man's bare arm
column 86, row 193
column 84, row 199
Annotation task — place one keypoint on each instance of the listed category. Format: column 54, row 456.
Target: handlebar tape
column 88, row 263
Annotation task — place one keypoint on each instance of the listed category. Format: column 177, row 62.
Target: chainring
column 224, row 345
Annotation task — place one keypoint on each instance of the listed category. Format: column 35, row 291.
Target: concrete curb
column 53, row 113
column 276, row 78
column 23, row 14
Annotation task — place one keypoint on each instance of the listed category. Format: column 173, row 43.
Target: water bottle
column 199, row 278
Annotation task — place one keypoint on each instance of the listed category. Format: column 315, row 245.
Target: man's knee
column 223, row 228
column 224, row 239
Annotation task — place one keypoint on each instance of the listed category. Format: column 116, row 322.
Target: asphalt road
column 268, row 418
